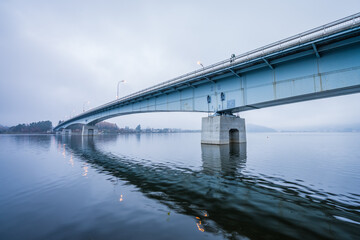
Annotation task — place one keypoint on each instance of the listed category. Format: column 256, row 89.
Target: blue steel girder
column 236, row 74
column 299, row 75
column 191, row 85
column 315, row 50
column 267, row 63
column 207, row 78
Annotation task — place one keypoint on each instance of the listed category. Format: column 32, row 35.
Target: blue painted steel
column 322, row 66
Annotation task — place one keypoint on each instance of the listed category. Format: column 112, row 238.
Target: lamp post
column 199, row 63
column 88, row 102
column 118, row 84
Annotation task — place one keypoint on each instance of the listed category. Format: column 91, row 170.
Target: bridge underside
column 335, row 72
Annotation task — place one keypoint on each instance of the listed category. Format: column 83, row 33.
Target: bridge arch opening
column 90, row 132
column 234, row 135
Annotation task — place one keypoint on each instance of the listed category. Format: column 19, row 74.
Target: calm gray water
column 169, row 186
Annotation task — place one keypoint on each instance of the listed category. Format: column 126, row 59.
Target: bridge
column 319, row 63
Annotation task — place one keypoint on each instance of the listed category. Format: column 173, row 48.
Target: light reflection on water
column 218, row 190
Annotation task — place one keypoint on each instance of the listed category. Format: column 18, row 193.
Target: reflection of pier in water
column 236, row 203
column 225, row 159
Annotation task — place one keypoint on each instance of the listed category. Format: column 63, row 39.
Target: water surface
column 169, row 186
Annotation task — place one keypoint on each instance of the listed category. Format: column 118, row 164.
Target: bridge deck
column 254, row 79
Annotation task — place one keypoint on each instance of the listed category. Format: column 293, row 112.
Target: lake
column 169, row 186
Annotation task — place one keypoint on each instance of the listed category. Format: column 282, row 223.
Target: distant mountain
column 3, row 128
column 342, row 128
column 258, row 128
column 34, row 127
column 331, row 128
column 107, row 127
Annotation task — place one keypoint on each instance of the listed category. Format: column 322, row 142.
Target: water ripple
column 244, row 204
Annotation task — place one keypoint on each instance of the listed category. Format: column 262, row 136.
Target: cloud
column 55, row 56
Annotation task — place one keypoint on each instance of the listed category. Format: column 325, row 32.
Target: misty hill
column 34, row 127
column 341, row 128
column 258, row 128
column 328, row 128
column 3, row 129
column 107, row 127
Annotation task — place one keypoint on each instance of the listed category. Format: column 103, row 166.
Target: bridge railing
column 296, row 40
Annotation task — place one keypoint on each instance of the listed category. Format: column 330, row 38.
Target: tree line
column 34, row 127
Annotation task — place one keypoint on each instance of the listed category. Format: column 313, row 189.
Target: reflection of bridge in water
column 235, row 202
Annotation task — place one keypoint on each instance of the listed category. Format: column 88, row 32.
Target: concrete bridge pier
column 66, row 131
column 223, row 129
column 88, row 130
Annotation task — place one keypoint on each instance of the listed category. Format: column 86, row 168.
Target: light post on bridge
column 118, row 84
column 72, row 114
column 199, row 63
column 87, row 102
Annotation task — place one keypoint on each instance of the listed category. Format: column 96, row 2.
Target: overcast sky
column 55, row 56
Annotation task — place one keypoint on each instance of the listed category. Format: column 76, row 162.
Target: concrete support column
column 88, row 130
column 223, row 129
column 66, row 131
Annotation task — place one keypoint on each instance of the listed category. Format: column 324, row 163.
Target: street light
column 199, row 63
column 122, row 81
column 88, row 102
